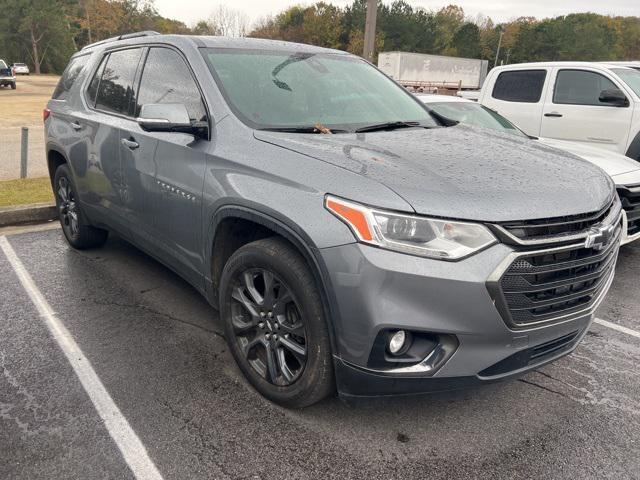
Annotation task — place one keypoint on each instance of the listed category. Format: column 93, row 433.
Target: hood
column 611, row 162
column 462, row 172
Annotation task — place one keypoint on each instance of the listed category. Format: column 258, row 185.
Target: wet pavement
column 156, row 346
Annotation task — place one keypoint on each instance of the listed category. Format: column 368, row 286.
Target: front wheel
column 13, row 86
column 274, row 323
column 78, row 235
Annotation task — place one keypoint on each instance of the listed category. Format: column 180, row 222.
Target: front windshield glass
column 2, row 64
column 475, row 114
column 287, row 89
column 630, row 77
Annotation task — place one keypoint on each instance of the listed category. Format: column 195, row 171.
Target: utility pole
column 370, row 30
column 499, row 45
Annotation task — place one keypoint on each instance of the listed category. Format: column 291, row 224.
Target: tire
column 79, row 235
column 289, row 322
column 13, row 86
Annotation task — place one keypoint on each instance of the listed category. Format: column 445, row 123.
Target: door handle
column 76, row 126
column 553, row 114
column 130, row 144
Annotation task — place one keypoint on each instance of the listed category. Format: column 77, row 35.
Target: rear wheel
column 78, row 235
column 13, row 86
column 274, row 323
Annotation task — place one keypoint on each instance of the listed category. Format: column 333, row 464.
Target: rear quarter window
column 70, row 75
column 524, row 86
column 115, row 87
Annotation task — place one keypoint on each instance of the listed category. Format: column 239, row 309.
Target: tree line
column 45, row 33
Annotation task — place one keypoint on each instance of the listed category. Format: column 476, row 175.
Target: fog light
column 397, row 342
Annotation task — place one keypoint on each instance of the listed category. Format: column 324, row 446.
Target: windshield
column 630, row 77
column 2, row 64
column 287, row 89
column 475, row 114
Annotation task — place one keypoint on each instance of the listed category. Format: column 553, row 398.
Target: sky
column 190, row 11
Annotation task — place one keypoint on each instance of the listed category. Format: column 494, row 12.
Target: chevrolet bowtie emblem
column 599, row 237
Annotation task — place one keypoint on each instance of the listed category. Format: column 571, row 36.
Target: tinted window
column 2, row 64
column 92, row 89
column 116, row 85
column 520, row 86
column 299, row 89
column 167, row 79
column 71, row 73
column 579, row 87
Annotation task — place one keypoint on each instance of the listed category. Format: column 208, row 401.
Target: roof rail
column 146, row 33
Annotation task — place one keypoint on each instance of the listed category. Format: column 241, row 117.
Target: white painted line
column 133, row 451
column 617, row 327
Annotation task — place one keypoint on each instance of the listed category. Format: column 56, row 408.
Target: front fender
column 289, row 230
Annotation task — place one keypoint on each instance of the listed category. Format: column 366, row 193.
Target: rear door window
column 166, row 78
column 115, row 89
column 581, row 87
column 524, row 86
column 71, row 73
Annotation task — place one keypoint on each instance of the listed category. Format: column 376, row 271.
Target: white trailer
column 422, row 70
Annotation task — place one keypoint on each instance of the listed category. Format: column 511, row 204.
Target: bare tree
column 229, row 22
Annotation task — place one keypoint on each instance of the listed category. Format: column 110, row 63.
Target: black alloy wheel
column 268, row 326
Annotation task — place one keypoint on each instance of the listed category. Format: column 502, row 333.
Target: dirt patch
column 23, row 106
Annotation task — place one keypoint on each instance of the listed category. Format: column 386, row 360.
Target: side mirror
column 614, row 97
column 167, row 117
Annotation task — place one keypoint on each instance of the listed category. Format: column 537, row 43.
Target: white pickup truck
column 591, row 103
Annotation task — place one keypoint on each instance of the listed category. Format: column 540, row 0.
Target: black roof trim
column 146, row 33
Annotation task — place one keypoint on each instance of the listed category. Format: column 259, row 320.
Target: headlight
column 426, row 237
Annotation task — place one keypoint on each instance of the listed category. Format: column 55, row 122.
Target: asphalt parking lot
column 156, row 347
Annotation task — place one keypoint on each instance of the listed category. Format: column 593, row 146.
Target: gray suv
column 351, row 238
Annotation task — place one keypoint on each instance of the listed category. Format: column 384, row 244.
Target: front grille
column 541, row 230
column 533, row 356
column 545, row 286
column 630, row 197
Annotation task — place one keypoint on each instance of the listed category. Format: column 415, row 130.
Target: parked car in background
column 630, row 64
column 350, row 238
column 591, row 103
column 7, row 79
column 469, row 94
column 624, row 171
column 20, row 69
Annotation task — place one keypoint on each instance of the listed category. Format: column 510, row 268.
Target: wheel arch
column 55, row 158
column 269, row 223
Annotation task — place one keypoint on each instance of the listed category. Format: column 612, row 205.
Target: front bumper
column 375, row 290
column 7, row 80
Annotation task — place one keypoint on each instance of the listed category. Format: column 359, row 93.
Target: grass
column 25, row 191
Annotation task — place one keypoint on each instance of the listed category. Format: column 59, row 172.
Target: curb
column 19, row 215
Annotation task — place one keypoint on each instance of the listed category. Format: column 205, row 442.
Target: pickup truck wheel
column 274, row 323
column 13, row 86
column 78, row 235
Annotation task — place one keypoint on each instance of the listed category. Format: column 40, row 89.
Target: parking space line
column 617, row 327
column 132, row 449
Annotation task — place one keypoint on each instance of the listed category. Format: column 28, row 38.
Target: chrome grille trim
column 614, row 211
column 517, row 307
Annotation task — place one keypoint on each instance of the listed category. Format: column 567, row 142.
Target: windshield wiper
column 304, row 129
column 390, row 126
